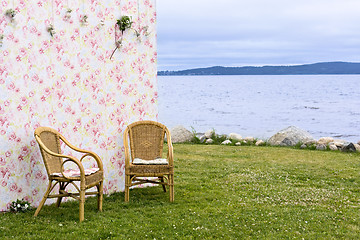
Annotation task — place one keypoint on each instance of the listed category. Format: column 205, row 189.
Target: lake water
column 261, row 105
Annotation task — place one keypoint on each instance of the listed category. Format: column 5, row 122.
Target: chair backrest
column 49, row 138
column 146, row 139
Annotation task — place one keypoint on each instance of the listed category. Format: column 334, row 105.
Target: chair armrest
column 72, row 146
column 95, row 156
column 170, row 154
column 87, row 152
column 80, row 166
column 126, row 147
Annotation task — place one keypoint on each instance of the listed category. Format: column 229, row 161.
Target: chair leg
column 100, row 195
column 43, row 199
column 81, row 204
column 58, row 201
column 171, row 187
column 127, row 188
column 61, row 187
column 163, row 185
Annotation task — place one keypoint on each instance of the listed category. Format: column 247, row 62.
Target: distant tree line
column 316, row 68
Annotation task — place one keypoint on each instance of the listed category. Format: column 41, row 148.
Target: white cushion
column 76, row 173
column 156, row 161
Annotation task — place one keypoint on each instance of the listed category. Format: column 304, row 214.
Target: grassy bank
column 224, row 192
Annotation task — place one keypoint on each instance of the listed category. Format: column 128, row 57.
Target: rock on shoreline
column 290, row 136
column 180, row 134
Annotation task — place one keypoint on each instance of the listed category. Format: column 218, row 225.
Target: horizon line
column 280, row 65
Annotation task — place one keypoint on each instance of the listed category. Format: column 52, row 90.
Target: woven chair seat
column 89, row 179
column 156, row 161
column 75, row 173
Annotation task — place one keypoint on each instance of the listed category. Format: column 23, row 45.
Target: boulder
column 209, row 141
column 180, row 134
column 259, row 142
column 333, row 147
column 202, row 139
column 357, row 146
column 235, row 136
column 287, row 142
column 348, row 148
column 303, row 146
column 310, row 142
column 209, row 133
column 249, row 139
column 339, row 143
column 325, row 140
column 226, row 142
column 321, row 147
column 290, row 137
column 238, row 144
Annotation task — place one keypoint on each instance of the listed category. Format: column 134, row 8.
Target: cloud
column 257, row 31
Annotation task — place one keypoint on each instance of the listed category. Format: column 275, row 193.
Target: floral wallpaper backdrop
column 68, row 81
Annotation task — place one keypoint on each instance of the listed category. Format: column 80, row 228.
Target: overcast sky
column 203, row 33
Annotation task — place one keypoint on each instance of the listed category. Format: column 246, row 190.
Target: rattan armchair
column 49, row 144
column 144, row 142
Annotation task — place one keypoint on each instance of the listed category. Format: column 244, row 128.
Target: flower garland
column 122, row 24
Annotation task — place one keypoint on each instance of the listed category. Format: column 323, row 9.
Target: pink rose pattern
column 68, row 82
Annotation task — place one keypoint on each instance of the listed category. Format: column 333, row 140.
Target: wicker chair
column 143, row 157
column 49, row 143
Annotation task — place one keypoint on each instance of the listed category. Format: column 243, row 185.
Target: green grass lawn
column 223, row 192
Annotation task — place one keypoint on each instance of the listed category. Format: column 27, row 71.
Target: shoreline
column 290, row 136
column 266, row 136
